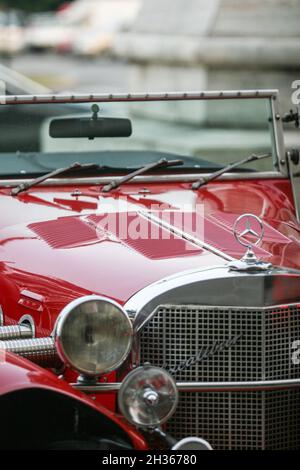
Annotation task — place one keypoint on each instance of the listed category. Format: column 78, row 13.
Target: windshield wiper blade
column 251, row 158
column 163, row 163
column 75, row 166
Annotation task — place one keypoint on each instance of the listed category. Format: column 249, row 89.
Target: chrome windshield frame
column 271, row 94
column 119, row 97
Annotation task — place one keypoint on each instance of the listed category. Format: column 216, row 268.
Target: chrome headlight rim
column 60, row 322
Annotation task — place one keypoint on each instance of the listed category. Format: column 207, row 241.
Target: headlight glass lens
column 93, row 335
column 148, row 396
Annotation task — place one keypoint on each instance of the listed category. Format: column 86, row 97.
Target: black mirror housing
column 89, row 128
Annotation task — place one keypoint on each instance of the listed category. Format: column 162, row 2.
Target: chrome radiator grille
column 260, row 348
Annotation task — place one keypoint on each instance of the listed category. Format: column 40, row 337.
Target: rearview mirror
column 90, row 128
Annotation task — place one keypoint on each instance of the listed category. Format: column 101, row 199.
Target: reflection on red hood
column 56, row 242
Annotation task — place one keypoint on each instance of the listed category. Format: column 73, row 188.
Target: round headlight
column 93, row 335
column 148, row 396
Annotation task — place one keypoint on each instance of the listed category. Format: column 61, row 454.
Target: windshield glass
column 206, row 135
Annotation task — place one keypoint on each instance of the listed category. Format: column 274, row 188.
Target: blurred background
column 150, row 45
column 67, row 45
column 131, row 45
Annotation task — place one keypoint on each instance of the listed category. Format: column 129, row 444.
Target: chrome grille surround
column 230, row 420
column 239, row 414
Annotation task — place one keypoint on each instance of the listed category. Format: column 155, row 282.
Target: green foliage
column 32, row 5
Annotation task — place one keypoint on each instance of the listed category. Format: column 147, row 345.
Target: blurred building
column 12, row 40
column 177, row 45
column 214, row 44
column 102, row 19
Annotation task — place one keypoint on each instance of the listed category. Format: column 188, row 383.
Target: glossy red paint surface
column 55, row 245
column 17, row 373
column 60, row 251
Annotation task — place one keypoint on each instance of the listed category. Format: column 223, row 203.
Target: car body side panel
column 18, row 374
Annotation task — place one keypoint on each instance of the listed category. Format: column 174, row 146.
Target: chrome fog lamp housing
column 93, row 335
column 148, row 396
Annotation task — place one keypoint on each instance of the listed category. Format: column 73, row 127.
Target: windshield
column 206, row 135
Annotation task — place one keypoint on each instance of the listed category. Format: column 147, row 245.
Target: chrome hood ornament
column 249, row 227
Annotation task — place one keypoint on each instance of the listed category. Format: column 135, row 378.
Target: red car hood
column 58, row 244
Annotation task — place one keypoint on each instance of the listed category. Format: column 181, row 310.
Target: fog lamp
column 93, row 335
column 148, row 396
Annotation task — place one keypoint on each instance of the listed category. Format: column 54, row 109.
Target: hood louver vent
column 71, row 232
column 67, row 232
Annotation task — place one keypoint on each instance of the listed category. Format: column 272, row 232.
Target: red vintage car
column 150, row 272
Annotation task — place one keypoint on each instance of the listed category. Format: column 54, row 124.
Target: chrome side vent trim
column 15, row 332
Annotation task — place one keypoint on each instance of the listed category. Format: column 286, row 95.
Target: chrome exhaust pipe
column 41, row 351
column 17, row 332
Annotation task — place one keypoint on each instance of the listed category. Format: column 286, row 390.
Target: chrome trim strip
column 278, row 136
column 138, row 301
column 197, row 444
column 116, row 97
column 32, row 295
column 214, row 286
column 196, row 241
column 176, row 178
column 204, row 386
column 293, row 170
column 173, row 288
column 232, row 307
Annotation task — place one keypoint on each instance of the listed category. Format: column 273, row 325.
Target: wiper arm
column 75, row 166
column 163, row 163
column 251, row 158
